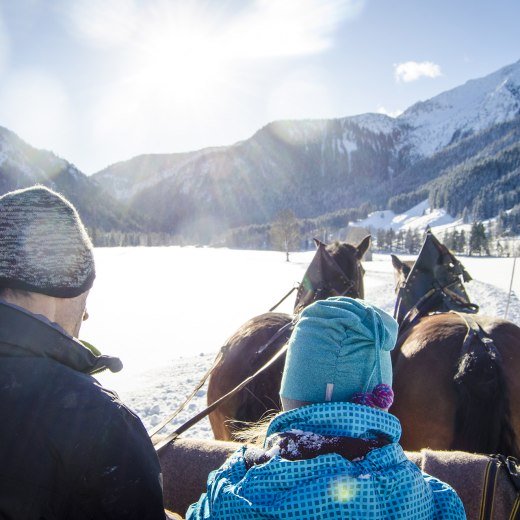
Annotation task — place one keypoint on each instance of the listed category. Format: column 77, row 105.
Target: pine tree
column 461, row 246
column 380, row 239
column 416, row 241
column 455, row 241
column 408, row 241
column 478, row 241
column 448, row 240
column 390, row 236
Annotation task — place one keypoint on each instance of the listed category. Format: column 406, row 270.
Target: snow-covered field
column 166, row 311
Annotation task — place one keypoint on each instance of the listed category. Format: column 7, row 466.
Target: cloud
column 274, row 28
column 390, row 113
column 413, row 70
column 261, row 29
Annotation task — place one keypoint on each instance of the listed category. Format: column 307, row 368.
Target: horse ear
column 318, row 243
column 363, row 246
column 397, row 263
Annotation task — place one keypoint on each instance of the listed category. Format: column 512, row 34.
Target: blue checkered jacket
column 382, row 485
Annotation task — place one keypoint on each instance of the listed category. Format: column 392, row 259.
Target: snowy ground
column 166, row 311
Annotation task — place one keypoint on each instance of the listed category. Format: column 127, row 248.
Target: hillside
column 21, row 166
column 322, row 166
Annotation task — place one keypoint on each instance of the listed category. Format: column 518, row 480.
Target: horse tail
column 482, row 414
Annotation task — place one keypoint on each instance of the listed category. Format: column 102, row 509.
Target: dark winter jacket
column 69, row 449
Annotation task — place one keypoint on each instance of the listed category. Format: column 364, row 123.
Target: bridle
column 339, row 284
column 430, row 301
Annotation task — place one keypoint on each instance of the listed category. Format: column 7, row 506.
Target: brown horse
column 335, row 270
column 450, row 397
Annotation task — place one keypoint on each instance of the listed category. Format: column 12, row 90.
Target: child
column 333, row 452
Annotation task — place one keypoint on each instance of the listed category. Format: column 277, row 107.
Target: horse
column 335, row 270
column 456, row 378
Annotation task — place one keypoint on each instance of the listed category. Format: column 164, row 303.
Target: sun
column 178, row 57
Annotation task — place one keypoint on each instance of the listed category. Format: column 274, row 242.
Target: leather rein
column 348, row 287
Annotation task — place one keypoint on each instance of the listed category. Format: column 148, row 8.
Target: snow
column 469, row 108
column 419, row 217
column 166, row 311
column 379, row 123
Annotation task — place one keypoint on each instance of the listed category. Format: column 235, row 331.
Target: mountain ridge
column 313, row 167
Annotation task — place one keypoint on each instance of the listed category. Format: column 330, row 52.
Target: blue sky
column 99, row 81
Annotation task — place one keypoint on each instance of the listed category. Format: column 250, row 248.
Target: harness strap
column 488, row 491
column 204, row 378
column 420, row 309
column 154, row 431
column 428, row 301
column 200, row 384
column 275, row 336
column 515, row 512
column 194, row 420
column 510, row 465
column 284, row 298
column 475, row 330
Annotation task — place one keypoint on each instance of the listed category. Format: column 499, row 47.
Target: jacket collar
column 349, row 420
column 338, row 418
column 27, row 335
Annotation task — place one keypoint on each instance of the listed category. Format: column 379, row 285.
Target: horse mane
column 483, row 407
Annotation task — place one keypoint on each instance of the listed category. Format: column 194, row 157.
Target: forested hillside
column 483, row 187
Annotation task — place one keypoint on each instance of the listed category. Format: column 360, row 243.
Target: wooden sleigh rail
column 187, row 462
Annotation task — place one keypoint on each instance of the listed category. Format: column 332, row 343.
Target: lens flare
column 344, row 489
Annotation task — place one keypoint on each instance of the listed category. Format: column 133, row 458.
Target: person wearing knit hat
column 333, row 452
column 69, row 448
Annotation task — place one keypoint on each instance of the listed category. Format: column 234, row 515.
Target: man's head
column 46, row 258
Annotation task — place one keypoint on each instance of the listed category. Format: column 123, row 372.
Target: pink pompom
column 381, row 397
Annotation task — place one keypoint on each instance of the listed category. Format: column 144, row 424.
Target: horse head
column 335, row 270
column 401, row 271
column 433, row 283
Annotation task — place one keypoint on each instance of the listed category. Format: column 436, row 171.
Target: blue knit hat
column 339, row 346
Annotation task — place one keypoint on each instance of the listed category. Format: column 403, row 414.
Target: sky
column 101, row 81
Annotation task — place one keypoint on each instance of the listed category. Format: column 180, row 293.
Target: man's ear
column 363, row 246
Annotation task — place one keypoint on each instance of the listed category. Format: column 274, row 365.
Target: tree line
column 479, row 241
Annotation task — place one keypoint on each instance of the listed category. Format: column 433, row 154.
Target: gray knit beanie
column 44, row 247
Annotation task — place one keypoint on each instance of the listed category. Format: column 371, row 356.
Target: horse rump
column 482, row 417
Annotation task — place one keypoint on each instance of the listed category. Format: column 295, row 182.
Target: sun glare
column 177, row 60
column 173, row 71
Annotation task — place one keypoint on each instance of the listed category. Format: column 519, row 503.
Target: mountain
column 21, row 166
column 321, row 166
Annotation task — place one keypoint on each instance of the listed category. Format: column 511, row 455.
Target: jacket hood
column 25, row 334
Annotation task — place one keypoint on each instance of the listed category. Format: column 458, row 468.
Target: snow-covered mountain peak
column 464, row 110
column 378, row 123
